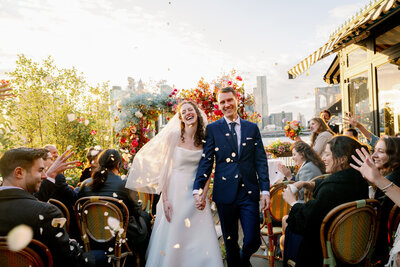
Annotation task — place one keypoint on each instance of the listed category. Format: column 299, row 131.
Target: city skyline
column 178, row 41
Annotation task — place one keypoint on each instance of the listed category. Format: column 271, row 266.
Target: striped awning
column 332, row 76
column 352, row 31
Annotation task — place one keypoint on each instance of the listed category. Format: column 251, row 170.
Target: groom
column 239, row 155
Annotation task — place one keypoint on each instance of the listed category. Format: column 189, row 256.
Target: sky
column 179, row 41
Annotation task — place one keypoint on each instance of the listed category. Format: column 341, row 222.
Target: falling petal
column 59, row 234
column 187, row 222
column 203, row 155
column 237, row 176
column 177, row 246
column 244, row 144
column 233, row 154
column 113, row 223
column 85, row 211
column 102, row 172
column 255, row 144
column 86, row 259
column 105, row 213
column 110, row 249
column 228, row 237
column 115, row 195
column 204, row 141
column 71, row 248
column 223, row 178
column 249, row 192
column 227, row 134
column 41, row 217
column 19, row 237
column 205, row 175
column 216, row 149
column 228, row 160
column 41, row 230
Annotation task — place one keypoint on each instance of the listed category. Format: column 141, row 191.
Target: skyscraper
column 261, row 100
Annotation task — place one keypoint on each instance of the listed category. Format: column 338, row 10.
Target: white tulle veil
column 152, row 165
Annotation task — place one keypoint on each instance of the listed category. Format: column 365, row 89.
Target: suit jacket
column 20, row 207
column 248, row 166
column 113, row 186
column 306, row 173
column 305, row 219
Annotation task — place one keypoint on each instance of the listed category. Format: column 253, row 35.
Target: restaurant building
column 367, row 65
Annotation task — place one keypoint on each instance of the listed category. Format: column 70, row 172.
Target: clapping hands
column 200, row 201
column 285, row 170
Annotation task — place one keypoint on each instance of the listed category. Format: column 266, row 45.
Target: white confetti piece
column 228, row 160
column 255, row 144
column 237, row 176
column 41, row 230
column 105, row 213
column 71, row 117
column 227, row 134
column 19, row 237
column 205, row 175
column 223, row 178
column 242, row 185
column 187, row 222
column 112, row 159
column 209, row 158
column 233, row 154
column 86, row 259
column 71, row 248
column 228, row 237
column 115, row 194
column 41, row 217
column 204, row 141
column 110, row 249
column 59, row 234
column 216, row 149
column 249, row 192
column 203, row 155
column 177, row 246
column 85, row 211
column 244, row 144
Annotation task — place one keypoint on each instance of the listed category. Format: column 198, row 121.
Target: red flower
column 229, row 83
column 239, row 78
column 133, row 151
column 79, row 164
column 123, row 140
column 81, row 120
column 93, row 132
column 206, row 103
column 134, row 143
column 216, row 106
column 217, row 112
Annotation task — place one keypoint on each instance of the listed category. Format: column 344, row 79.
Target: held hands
column 167, row 209
column 61, row 164
column 200, row 201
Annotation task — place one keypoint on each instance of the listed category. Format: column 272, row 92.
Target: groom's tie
column 234, row 135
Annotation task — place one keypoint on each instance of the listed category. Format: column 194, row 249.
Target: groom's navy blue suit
column 240, row 173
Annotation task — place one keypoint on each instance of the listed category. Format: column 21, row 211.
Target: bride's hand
column 167, row 209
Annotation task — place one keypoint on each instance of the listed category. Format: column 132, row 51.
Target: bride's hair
column 199, row 135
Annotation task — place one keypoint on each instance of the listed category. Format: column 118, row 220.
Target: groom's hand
column 198, row 201
column 265, row 201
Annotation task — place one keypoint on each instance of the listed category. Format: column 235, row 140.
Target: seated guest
column 105, row 181
column 310, row 165
column 23, row 170
column 387, row 159
column 304, row 220
column 320, row 135
column 53, row 150
column 90, row 165
column 351, row 132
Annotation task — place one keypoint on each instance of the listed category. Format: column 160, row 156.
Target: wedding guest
column 304, row 220
column 106, row 181
column 320, row 135
column 90, row 164
column 371, row 138
column 351, row 132
column 53, row 150
column 387, row 159
column 326, row 115
column 369, row 170
column 310, row 165
column 22, row 170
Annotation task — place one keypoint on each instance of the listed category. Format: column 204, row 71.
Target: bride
column 182, row 235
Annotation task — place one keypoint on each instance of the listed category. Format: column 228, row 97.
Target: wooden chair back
column 278, row 207
column 146, row 200
column 308, row 193
column 64, row 211
column 393, row 223
column 348, row 232
column 36, row 254
column 92, row 214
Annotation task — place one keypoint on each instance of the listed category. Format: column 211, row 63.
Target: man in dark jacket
column 22, row 170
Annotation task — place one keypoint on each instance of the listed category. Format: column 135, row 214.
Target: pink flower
column 229, row 83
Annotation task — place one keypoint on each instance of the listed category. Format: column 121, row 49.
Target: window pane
column 388, row 76
column 357, row 55
column 359, row 99
column 388, row 39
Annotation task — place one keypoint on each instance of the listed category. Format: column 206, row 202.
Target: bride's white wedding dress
column 190, row 238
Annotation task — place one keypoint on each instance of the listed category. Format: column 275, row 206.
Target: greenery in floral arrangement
column 277, row 147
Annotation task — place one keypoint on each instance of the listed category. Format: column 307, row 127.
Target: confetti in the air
column 187, row 222
column 19, row 237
